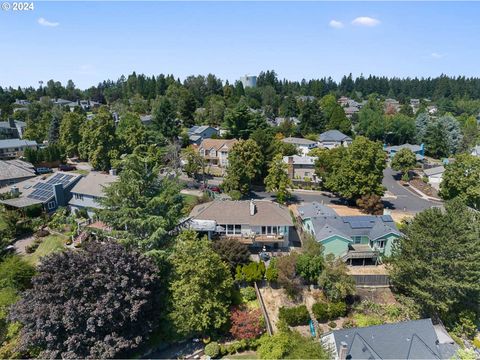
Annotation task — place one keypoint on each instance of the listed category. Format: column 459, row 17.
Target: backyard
column 49, row 244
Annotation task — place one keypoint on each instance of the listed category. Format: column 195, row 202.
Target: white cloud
column 437, row 55
column 44, row 22
column 336, row 24
column 365, row 21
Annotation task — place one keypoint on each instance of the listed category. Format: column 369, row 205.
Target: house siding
column 335, row 245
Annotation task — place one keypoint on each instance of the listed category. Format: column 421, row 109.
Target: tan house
column 215, row 151
column 256, row 223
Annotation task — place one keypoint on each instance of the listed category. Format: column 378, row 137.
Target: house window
column 381, row 244
column 230, row 229
column 357, row 239
column 51, row 205
column 79, row 196
column 238, row 229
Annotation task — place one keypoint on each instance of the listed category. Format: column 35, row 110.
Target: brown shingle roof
column 238, row 212
column 217, row 144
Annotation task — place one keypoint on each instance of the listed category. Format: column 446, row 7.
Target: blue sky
column 92, row 41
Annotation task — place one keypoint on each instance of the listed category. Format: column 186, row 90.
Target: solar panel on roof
column 40, row 194
column 356, row 224
column 42, row 186
column 387, row 218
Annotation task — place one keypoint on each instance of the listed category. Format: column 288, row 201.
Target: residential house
column 301, row 168
column 14, row 148
column 215, row 151
column 196, row 134
column 255, row 223
column 391, row 105
column 280, row 120
column 303, row 145
column 333, row 138
column 14, row 171
column 435, row 176
column 60, row 102
column 350, row 111
column 87, row 192
column 86, row 105
column 358, row 240
column 49, row 192
column 418, row 150
column 12, row 129
column 415, row 339
column 21, row 102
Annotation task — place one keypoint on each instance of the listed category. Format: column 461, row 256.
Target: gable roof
column 12, row 143
column 414, row 148
column 415, row 339
column 15, row 169
column 217, row 144
column 93, row 184
column 300, row 160
column 199, row 129
column 434, row 171
column 315, row 209
column 334, row 135
column 238, row 212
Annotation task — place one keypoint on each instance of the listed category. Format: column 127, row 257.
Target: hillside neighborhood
column 238, row 216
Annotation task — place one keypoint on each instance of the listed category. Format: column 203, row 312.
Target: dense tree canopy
column 105, row 310
column 436, row 263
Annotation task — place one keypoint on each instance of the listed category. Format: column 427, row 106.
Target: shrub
column 68, row 241
column 31, row 248
column 320, row 310
column 465, row 325
column 248, row 293
column 212, row 349
column 250, row 272
column 295, row 316
column 271, row 274
column 348, row 323
column 246, row 324
column 332, row 324
column 476, row 343
column 42, row 233
column 336, row 310
column 367, row 320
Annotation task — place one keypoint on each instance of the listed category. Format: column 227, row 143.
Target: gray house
column 12, row 129
column 87, row 192
column 196, row 134
column 14, row 148
column 333, row 138
column 14, row 171
column 50, row 193
column 417, row 339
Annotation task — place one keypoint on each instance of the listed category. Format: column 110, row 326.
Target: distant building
column 435, row 176
column 301, row 168
column 415, row 339
column 303, row 145
column 14, row 171
column 86, row 105
column 12, row 129
column 333, row 138
column 87, row 192
column 14, row 148
column 248, row 81
column 50, row 193
column 255, row 223
column 418, row 150
column 196, row 134
column 215, row 151
column 280, row 120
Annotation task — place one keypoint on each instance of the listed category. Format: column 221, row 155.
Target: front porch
column 360, row 255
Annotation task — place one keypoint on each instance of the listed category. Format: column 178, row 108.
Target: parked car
column 66, row 167
column 213, row 188
column 43, row 170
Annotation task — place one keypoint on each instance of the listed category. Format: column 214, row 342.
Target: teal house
column 358, row 240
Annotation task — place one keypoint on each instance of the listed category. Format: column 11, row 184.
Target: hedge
column 212, row 349
column 329, row 311
column 295, row 316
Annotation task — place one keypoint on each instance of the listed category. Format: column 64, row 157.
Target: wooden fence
column 371, row 280
column 264, row 310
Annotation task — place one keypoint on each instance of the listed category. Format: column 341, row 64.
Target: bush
column 271, row 274
column 42, row 233
column 29, row 249
column 476, row 343
column 248, row 293
column 367, row 320
column 250, row 272
column 295, row 316
column 212, row 349
column 68, row 241
column 320, row 310
column 349, row 323
column 332, row 324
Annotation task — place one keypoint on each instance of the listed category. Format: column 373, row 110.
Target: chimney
column 59, row 195
column 343, row 351
column 14, row 190
column 113, row 172
column 253, row 208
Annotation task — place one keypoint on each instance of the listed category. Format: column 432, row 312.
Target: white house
column 87, row 192
column 435, row 175
column 257, row 223
column 303, row 145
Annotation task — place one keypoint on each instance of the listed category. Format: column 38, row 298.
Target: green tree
column 400, row 129
column 371, row 123
column 277, row 179
column 164, row 119
column 54, row 128
column 99, row 143
column 310, row 262
column 194, row 162
column 335, row 281
column 312, row 119
column 404, row 161
column 70, row 135
column 232, row 252
column 470, row 133
column 244, row 163
column 200, row 288
column 461, row 180
column 142, row 208
column 436, row 141
column 289, row 344
column 436, row 262
column 130, row 133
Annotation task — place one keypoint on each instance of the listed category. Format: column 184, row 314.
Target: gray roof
column 21, row 202
column 373, row 226
column 13, row 143
column 198, row 129
column 300, row 160
column 315, row 209
column 15, row 169
column 334, row 135
column 298, row 141
column 238, row 212
column 93, row 184
column 415, row 339
column 414, row 148
column 434, row 171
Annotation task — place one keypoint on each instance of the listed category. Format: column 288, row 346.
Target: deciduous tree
column 277, row 179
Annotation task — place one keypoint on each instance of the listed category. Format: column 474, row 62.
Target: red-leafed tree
column 246, row 324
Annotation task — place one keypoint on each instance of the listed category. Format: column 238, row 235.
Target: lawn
column 244, row 355
column 81, row 172
column 49, row 245
column 190, row 199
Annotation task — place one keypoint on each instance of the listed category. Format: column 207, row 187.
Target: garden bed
column 425, row 188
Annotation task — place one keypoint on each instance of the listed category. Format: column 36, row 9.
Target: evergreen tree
column 421, row 123
column 130, row 133
column 436, row 141
column 164, row 119
column 70, row 132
